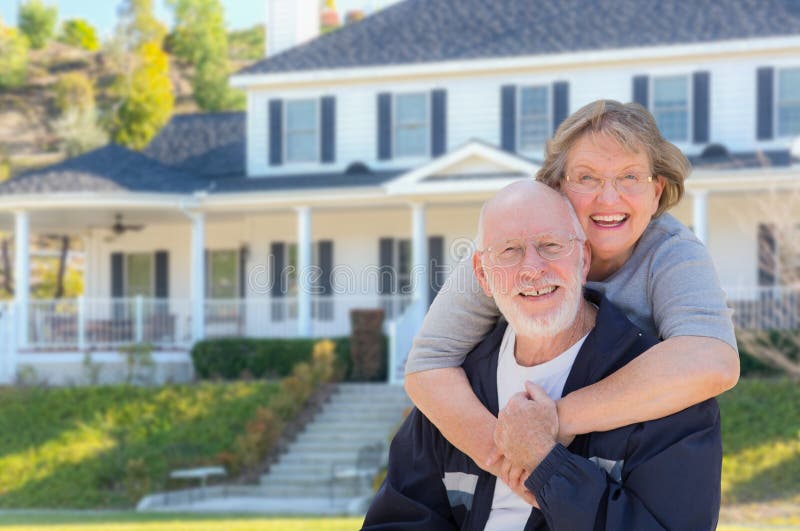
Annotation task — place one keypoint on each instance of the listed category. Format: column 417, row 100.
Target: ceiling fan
column 119, row 228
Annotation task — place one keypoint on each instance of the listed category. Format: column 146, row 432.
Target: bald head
column 525, row 206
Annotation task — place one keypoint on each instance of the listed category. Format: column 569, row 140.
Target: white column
column 198, row 275
column 304, row 324
column 700, row 214
column 22, row 272
column 419, row 253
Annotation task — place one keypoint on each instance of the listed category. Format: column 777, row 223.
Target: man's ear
column 587, row 260
column 480, row 273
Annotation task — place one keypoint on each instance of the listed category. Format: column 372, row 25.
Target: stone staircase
column 357, row 414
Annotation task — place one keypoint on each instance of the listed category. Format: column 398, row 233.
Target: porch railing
column 761, row 308
column 97, row 324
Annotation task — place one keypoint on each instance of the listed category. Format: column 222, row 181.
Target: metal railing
column 765, row 308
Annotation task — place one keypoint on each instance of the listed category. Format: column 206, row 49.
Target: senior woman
column 621, row 176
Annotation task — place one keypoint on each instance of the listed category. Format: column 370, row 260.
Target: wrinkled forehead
column 525, row 215
column 619, row 146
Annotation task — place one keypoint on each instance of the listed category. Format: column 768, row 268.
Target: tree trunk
column 8, row 272
column 62, row 267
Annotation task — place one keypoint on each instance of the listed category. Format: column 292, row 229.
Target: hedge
column 234, row 358
column 750, row 365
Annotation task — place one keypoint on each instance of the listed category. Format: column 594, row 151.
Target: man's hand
column 527, row 429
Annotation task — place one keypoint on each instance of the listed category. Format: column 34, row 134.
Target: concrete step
column 318, row 490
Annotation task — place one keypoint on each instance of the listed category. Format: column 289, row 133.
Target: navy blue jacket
column 661, row 474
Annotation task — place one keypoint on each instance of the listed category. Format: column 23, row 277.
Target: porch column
column 700, row 214
column 419, row 253
column 22, row 272
column 304, row 324
column 198, row 273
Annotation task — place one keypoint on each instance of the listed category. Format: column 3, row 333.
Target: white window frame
column 210, row 272
column 426, row 96
column 689, row 105
column 777, row 100
column 548, row 118
column 317, row 131
column 151, row 259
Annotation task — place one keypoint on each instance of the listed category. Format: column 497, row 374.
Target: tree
column 79, row 33
column 80, row 131
column 37, row 21
column 145, row 98
column 13, row 57
column 74, row 91
column 138, row 25
column 199, row 38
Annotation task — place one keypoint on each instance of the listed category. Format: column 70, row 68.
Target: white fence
column 765, row 308
column 8, row 350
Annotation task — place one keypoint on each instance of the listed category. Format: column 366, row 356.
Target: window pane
column 671, row 107
column 223, row 274
column 789, row 102
column 301, row 131
column 404, row 265
column 534, row 118
column 139, row 273
column 291, row 262
column 411, row 108
column 411, row 129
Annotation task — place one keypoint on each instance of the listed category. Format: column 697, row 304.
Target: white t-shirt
column 509, row 511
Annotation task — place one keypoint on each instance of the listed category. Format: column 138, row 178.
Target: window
column 412, row 125
column 302, row 126
column 671, row 107
column 789, row 102
column 139, row 275
column 222, row 274
column 534, row 118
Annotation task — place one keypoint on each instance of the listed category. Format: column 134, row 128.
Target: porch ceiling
column 80, row 221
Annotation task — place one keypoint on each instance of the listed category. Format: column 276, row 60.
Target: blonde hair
column 634, row 128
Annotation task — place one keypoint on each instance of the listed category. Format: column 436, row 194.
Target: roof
column 205, row 144
column 302, row 182
column 426, row 31
column 716, row 157
column 111, row 168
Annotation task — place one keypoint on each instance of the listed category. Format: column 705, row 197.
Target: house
column 354, row 178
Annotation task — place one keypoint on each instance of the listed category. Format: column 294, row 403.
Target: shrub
column 751, row 364
column 79, row 33
column 13, row 57
column 230, row 358
column 37, row 21
column 74, row 91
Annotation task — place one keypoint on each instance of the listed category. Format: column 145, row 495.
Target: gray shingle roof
column 720, row 159
column 111, row 168
column 301, row 182
column 420, row 31
column 207, row 144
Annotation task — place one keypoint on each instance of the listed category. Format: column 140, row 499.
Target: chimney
column 290, row 23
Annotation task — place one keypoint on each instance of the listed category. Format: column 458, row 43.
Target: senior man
column 664, row 474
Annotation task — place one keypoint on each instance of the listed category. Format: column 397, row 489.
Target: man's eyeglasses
column 550, row 246
column 630, row 183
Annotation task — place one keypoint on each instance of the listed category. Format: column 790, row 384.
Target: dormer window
column 788, row 112
column 412, row 125
column 302, row 131
column 671, row 107
column 534, row 118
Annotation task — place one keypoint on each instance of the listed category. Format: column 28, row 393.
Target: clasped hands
column 526, row 431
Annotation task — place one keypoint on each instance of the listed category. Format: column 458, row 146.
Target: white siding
column 473, row 106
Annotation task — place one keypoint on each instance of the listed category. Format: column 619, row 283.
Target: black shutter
column 117, row 275
column 275, row 132
column 243, row 252
column 325, row 257
column 388, row 275
column 436, row 271
column 764, row 103
column 702, row 111
column 384, row 126
column 162, row 274
column 508, row 118
column 560, row 103
column 439, row 119
column 767, row 262
column 328, row 136
column 278, row 252
column 640, row 90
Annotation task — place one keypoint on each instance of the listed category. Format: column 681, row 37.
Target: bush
column 37, row 21
column 752, row 365
column 231, row 358
column 74, row 91
column 13, row 57
column 79, row 33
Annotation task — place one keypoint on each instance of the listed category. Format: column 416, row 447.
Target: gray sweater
column 668, row 287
